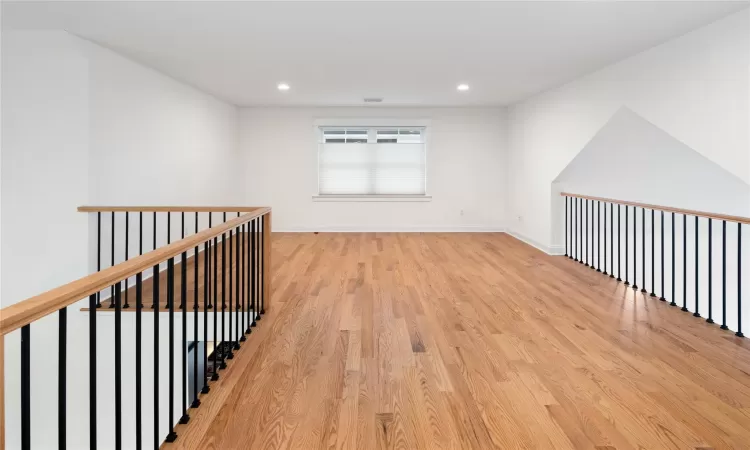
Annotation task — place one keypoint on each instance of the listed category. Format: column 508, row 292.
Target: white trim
column 391, row 229
column 554, row 250
column 372, row 198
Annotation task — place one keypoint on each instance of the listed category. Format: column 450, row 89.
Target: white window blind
column 362, row 161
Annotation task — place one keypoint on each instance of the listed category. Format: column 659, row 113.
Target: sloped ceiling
column 632, row 159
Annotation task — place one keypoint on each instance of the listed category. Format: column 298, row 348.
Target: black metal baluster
column 138, row 343
column 723, row 275
column 246, row 278
column 259, row 253
column 627, row 248
column 262, row 271
column 118, row 367
column 237, row 331
column 25, row 387
column 196, row 262
column 62, row 379
column 155, row 305
column 575, row 228
column 643, row 250
column 739, row 281
column 257, row 270
column 611, row 239
column 127, row 254
column 619, row 241
column 684, row 262
column 249, row 268
column 232, row 336
column 674, row 297
column 215, row 261
column 156, row 267
column 208, row 267
column 244, row 286
column 587, row 233
column 171, row 436
column 598, row 235
column 710, row 271
column 254, row 298
column 574, row 231
column 605, row 240
column 184, row 306
column 662, row 298
column 98, row 253
column 580, row 230
column 138, row 325
column 590, row 235
column 566, row 226
column 696, row 313
column 591, row 251
column 206, row 271
column 169, row 241
column 594, row 239
column 635, row 248
column 93, row 298
column 653, row 254
column 112, row 257
column 223, row 295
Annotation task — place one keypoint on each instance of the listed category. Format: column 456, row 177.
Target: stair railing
column 670, row 252
column 225, row 266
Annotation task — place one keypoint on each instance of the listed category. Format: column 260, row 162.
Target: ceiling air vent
column 373, row 100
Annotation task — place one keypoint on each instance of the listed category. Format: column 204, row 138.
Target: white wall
column 466, row 170
column 44, row 177
column 83, row 125
column 696, row 88
column 154, row 140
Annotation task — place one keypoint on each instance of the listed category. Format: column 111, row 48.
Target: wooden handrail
column 688, row 212
column 34, row 308
column 168, row 208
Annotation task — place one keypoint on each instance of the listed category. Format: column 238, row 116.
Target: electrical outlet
column 520, row 218
column 462, row 212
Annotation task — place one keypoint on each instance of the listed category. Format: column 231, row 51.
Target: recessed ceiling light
column 283, row 87
column 463, row 87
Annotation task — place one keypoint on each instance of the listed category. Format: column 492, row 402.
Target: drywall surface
column 466, row 174
column 694, row 88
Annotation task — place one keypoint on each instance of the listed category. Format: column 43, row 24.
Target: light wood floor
column 469, row 341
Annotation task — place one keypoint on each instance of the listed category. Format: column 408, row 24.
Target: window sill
column 372, row 198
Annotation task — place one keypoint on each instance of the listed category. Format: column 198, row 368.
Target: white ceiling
column 337, row 53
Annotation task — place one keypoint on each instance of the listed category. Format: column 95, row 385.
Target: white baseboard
column 395, row 229
column 554, row 250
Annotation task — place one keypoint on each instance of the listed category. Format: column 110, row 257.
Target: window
column 372, row 161
column 345, row 136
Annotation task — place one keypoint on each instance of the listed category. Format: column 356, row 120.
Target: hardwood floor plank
column 468, row 341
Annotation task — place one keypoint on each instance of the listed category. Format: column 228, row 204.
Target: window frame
column 372, row 125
